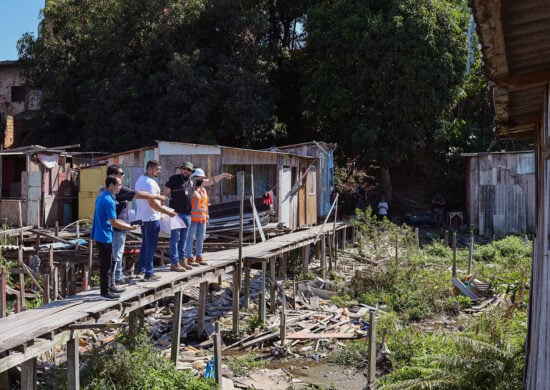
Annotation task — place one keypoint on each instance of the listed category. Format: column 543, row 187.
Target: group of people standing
column 188, row 201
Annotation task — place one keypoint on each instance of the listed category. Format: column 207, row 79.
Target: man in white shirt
column 149, row 211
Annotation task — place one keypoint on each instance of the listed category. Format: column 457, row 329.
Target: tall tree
column 123, row 73
column 380, row 74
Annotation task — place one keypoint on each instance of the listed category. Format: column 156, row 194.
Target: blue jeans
column 149, row 238
column 178, row 238
column 119, row 238
column 198, row 230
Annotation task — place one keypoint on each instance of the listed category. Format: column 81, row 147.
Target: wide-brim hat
column 188, row 165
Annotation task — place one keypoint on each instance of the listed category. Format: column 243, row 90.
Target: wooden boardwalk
column 28, row 334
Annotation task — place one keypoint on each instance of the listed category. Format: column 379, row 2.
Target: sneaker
column 151, row 277
column 117, row 290
column 199, row 260
column 120, row 282
column 110, row 295
column 177, row 268
column 183, row 263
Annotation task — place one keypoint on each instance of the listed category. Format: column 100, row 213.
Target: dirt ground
column 302, row 374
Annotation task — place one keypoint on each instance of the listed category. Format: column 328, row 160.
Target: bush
column 142, row 367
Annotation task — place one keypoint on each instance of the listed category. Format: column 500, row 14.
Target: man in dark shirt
column 124, row 196
column 180, row 189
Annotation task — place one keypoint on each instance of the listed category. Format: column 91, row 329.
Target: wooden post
column 262, row 293
column 218, row 352
column 56, row 229
column 85, row 278
column 28, row 374
column 246, row 293
column 454, row 255
column 446, row 239
column 330, row 252
column 323, row 257
column 203, row 291
column 55, row 283
column 236, row 288
column 90, row 258
column 282, row 333
column 252, row 197
column 305, row 259
column 240, row 176
column 72, row 279
column 46, row 282
column 272, row 280
column 73, row 365
column 22, row 289
column 293, row 294
column 372, row 351
column 417, row 238
column 77, row 230
column 37, row 244
column 3, row 302
column 471, row 250
column 20, row 214
column 353, row 235
column 176, row 328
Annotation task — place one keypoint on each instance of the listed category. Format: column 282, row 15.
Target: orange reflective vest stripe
column 199, row 206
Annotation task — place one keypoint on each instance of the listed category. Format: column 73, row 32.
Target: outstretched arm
column 216, row 179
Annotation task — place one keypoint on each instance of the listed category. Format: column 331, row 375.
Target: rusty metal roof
column 515, row 39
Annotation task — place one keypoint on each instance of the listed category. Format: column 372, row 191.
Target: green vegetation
column 140, row 366
column 414, row 288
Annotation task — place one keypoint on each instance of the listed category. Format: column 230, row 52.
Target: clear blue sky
column 16, row 18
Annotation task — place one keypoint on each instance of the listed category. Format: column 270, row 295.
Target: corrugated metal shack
column 324, row 168
column 37, row 186
column 285, row 174
column 501, row 192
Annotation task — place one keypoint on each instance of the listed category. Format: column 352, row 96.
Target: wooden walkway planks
column 20, row 331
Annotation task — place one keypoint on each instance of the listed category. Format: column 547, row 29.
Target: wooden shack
column 37, row 186
column 324, row 169
column 500, row 196
column 291, row 178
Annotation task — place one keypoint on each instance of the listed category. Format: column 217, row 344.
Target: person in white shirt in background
column 382, row 208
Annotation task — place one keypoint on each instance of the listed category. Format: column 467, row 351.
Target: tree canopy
column 380, row 74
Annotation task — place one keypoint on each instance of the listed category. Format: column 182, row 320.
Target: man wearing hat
column 180, row 189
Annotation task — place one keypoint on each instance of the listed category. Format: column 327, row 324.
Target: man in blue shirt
column 104, row 221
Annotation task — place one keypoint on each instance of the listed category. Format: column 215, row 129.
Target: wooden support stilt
column 446, row 238
column 28, row 374
column 46, row 282
column 73, row 365
column 90, row 258
column 417, row 237
column 262, row 292
column 203, row 291
column 72, row 279
column 246, row 292
column 372, row 351
column 236, row 297
column 330, row 252
column 323, row 257
column 85, row 278
column 272, row 279
column 305, row 259
column 22, row 289
column 218, row 352
column 176, row 328
column 3, row 302
column 55, row 283
column 56, row 229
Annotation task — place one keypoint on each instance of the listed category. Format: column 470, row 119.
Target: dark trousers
column 105, row 266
